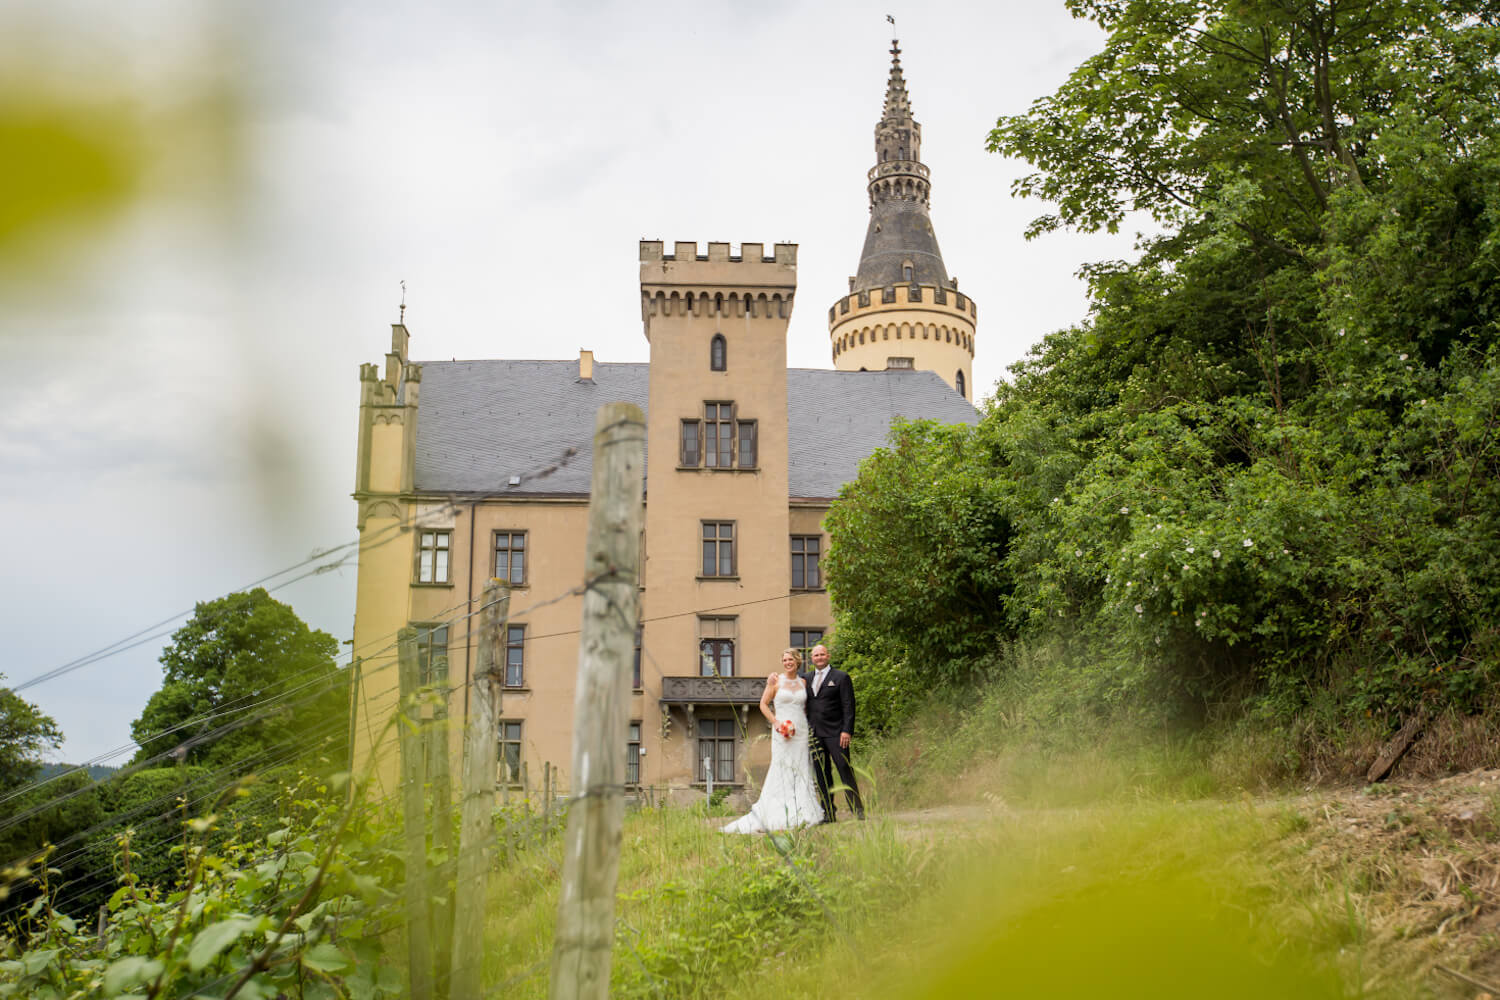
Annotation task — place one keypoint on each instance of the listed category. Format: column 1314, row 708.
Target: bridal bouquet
column 786, row 729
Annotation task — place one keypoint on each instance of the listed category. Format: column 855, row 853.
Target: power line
column 363, row 544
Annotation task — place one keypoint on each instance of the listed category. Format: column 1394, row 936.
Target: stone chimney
column 585, row 366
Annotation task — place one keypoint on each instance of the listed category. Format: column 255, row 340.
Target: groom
column 830, row 716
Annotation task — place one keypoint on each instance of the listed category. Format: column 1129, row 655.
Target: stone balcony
column 712, row 690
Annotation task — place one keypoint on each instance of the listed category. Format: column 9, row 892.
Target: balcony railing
column 711, row 690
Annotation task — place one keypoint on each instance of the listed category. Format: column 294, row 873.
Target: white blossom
column 1247, row 543
column 1124, row 510
column 1139, row 609
column 1402, row 358
column 1216, row 553
column 1078, row 553
column 1190, row 549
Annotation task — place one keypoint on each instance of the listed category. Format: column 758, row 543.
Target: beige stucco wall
column 937, row 336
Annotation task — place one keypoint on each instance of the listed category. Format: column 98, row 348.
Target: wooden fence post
column 476, row 841
column 601, row 706
column 440, row 788
column 414, row 809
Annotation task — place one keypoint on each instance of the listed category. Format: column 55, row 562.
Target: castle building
column 469, row 470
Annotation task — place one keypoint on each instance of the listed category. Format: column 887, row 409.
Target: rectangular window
column 515, row 656
column 691, row 452
column 718, row 435
column 432, row 654
column 716, row 646
column 633, row 755
column 718, row 548
column 805, row 550
column 510, row 557
column 635, row 676
column 805, row 639
column 747, row 444
column 510, row 752
column 899, row 363
column 432, row 556
column 715, row 750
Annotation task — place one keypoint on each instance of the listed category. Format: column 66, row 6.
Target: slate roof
column 481, row 422
column 836, row 419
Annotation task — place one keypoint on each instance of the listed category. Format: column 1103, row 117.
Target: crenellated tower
column 902, row 310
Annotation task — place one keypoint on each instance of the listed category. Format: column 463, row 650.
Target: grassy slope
column 1128, row 869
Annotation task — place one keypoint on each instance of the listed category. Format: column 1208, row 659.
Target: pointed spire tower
column 902, row 310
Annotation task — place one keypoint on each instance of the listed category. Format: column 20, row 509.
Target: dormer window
column 906, row 271
column 717, row 354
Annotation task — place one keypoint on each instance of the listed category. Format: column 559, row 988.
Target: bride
column 789, row 797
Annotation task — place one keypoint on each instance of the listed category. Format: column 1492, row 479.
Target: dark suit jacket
column 831, row 710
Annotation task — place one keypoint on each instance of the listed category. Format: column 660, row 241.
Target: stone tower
column 902, row 310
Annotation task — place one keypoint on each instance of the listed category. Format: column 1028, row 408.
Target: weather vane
column 892, row 18
column 403, row 301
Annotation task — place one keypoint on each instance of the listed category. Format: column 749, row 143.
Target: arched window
column 906, row 271
column 959, row 379
column 717, row 360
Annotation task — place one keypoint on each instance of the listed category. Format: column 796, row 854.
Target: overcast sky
column 183, row 371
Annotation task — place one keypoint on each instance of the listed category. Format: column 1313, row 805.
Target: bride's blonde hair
column 796, row 655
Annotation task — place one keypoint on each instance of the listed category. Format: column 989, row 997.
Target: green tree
column 1189, row 98
column 917, row 560
column 1264, row 470
column 25, row 733
column 246, row 686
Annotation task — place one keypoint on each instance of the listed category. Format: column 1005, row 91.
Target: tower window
column 747, row 442
column 717, row 352
column 718, row 548
column 959, row 381
column 906, row 271
column 692, row 444
column 718, row 436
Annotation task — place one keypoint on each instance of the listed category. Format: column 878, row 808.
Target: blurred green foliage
column 62, row 161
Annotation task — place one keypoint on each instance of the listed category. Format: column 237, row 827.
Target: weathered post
column 441, row 790
column 476, row 839
column 546, row 796
column 606, row 649
column 356, row 678
column 418, row 925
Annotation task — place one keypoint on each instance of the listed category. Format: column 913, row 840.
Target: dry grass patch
column 1420, row 861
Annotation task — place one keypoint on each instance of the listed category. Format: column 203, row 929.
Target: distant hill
column 96, row 771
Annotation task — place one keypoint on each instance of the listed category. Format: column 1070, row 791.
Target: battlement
column 653, row 251
column 929, row 297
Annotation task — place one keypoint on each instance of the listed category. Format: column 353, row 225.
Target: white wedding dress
column 789, row 798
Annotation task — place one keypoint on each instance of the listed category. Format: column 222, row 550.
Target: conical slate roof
column 900, row 231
